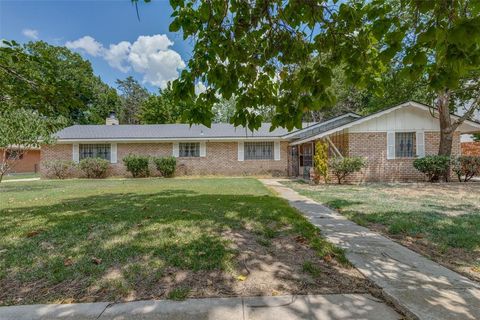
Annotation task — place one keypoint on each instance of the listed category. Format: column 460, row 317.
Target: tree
column 267, row 53
column 160, row 108
column 52, row 80
column 476, row 137
column 22, row 130
column 133, row 95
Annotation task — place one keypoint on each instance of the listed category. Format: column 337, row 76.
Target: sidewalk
column 319, row 307
column 419, row 287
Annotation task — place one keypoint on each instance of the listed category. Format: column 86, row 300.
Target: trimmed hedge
column 59, row 169
column 166, row 165
column 343, row 167
column 137, row 165
column 433, row 167
column 94, row 167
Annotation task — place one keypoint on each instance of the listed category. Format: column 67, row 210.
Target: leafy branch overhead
column 283, row 53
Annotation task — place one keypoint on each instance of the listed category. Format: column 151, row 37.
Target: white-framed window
column 259, row 150
column 189, row 149
column 94, row 151
column 405, row 145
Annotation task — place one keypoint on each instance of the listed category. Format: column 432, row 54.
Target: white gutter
column 166, row 140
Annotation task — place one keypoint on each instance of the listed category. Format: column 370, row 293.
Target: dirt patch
column 281, row 265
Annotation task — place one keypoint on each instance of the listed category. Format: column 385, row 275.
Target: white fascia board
column 167, row 140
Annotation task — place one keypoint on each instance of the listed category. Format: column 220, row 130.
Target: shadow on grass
column 64, row 250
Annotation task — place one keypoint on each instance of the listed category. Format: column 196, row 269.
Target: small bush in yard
column 343, row 167
column 321, row 161
column 94, row 167
column 166, row 165
column 59, row 169
column 137, row 165
column 433, row 167
column 466, row 167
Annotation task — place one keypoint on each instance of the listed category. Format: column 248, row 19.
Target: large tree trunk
column 446, row 127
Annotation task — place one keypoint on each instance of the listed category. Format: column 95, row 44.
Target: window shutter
column 240, row 151
column 390, row 145
column 420, row 140
column 276, row 150
column 75, row 153
column 113, row 153
column 176, row 149
column 203, row 149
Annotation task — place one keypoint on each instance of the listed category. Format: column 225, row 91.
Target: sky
column 107, row 33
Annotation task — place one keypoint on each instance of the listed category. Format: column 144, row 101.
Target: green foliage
column 59, row 169
column 94, row 167
column 54, row 81
column 21, row 130
column 166, row 165
column 160, row 108
column 133, row 95
column 476, row 137
column 137, row 165
column 321, row 161
column 434, row 167
column 466, row 167
column 343, row 167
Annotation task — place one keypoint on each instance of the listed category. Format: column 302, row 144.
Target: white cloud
column 148, row 55
column 87, row 44
column 30, row 33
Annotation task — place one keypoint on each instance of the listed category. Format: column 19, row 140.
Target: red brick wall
column 471, row 148
column 29, row 162
column 373, row 146
column 221, row 158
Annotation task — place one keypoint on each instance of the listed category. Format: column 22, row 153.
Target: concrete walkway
column 21, row 180
column 318, row 307
column 419, row 287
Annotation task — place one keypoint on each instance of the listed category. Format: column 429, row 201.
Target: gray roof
column 323, row 126
column 164, row 131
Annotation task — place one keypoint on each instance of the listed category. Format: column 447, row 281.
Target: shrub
column 466, row 167
column 137, row 165
column 59, row 169
column 166, row 165
column 343, row 167
column 433, row 167
column 94, row 167
column 321, row 161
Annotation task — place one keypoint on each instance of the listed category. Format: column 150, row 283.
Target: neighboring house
column 29, row 161
column 471, row 148
column 390, row 140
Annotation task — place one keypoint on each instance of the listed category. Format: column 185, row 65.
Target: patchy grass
column 16, row 176
column 117, row 240
column 441, row 221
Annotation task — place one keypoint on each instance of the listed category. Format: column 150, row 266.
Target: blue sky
column 90, row 27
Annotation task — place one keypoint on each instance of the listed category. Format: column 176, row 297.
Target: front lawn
column 440, row 221
column 16, row 176
column 116, row 240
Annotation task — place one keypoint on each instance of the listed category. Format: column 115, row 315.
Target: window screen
column 405, row 144
column 189, row 149
column 258, row 150
column 94, row 151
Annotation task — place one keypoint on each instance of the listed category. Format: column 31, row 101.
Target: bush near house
column 466, row 167
column 59, row 169
column 137, row 165
column 321, row 162
column 433, row 167
column 166, row 165
column 343, row 167
column 94, row 167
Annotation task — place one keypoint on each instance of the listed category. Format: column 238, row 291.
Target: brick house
column 390, row 140
column 27, row 162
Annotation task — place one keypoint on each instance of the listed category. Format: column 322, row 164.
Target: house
column 390, row 140
column 26, row 161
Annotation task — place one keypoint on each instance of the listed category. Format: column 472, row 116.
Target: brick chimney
column 111, row 119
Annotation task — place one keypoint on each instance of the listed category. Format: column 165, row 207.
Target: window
column 258, row 150
column 405, row 144
column 94, row 151
column 189, row 149
column 306, row 155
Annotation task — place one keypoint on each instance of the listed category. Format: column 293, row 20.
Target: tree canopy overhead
column 283, row 53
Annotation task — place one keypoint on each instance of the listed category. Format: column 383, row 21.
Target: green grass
column 445, row 216
column 16, row 176
column 90, row 240
column 311, row 268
